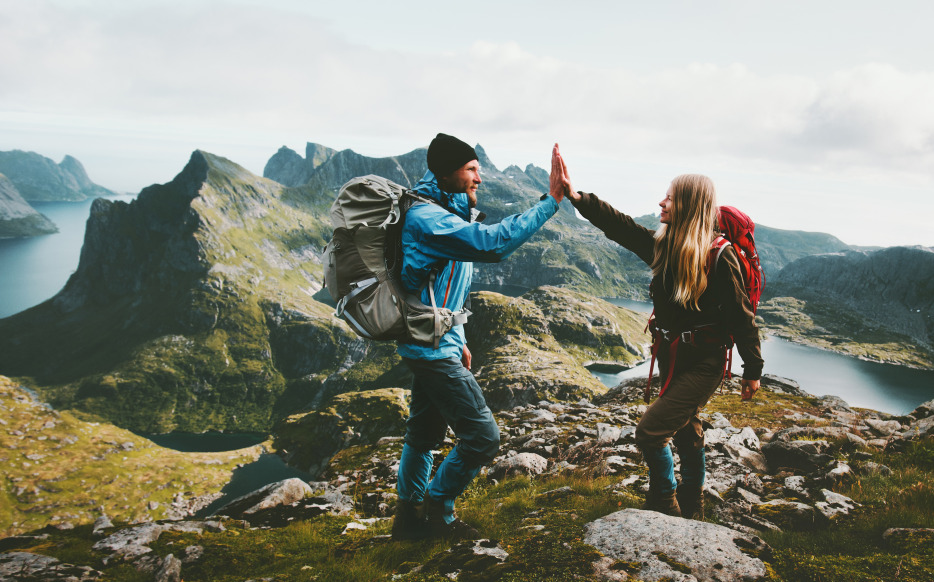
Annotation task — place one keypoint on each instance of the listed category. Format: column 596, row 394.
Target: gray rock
column 666, row 546
column 804, row 455
column 834, row 504
column 29, row 566
column 284, row 492
column 519, row 464
column 790, row 515
column 468, row 559
column 100, row 524
column 750, row 459
column 608, row 434
column 883, row 427
column 746, row 438
column 170, row 570
column 871, row 468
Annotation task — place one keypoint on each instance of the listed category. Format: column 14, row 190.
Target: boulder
column 803, row 455
column 520, row 464
column 658, row 547
column 29, row 566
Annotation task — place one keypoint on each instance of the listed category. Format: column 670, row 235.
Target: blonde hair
column 681, row 246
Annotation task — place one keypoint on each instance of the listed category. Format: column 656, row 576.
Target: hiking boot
column 665, row 503
column 439, row 528
column 409, row 522
column 691, row 502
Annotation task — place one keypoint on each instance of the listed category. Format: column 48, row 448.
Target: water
column 882, row 387
column 36, row 268
column 268, row 468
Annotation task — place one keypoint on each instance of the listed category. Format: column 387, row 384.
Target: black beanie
column 447, row 153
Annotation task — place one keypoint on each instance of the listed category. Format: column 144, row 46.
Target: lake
column 35, row 269
column 882, row 387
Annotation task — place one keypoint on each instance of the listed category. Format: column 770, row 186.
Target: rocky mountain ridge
column 17, row 217
column 39, row 179
column 874, row 304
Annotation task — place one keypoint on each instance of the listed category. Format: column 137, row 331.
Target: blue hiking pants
column 444, row 394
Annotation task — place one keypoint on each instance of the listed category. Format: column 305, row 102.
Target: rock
column 519, row 464
column 29, row 566
column 284, row 492
column 834, row 504
column 748, row 458
column 100, row 524
column 794, row 487
column 659, row 546
column 883, row 427
column 782, row 385
column 903, row 538
column 923, row 411
column 834, row 404
column 790, row 515
column 170, row 570
column 870, row 468
column 295, row 501
column 133, row 542
column 608, row 434
column 467, row 560
column 746, row 438
column 803, row 455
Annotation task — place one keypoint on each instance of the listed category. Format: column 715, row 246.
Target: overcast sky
column 814, row 115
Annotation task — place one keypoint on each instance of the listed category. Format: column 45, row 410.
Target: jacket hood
column 459, row 204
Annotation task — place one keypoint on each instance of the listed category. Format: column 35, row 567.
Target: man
column 444, row 392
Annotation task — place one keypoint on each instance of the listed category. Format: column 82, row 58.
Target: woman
column 697, row 316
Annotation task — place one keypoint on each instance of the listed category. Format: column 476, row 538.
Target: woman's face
column 666, row 207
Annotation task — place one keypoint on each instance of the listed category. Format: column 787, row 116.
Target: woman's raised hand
column 559, row 175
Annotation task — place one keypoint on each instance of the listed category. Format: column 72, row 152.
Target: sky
column 815, row 115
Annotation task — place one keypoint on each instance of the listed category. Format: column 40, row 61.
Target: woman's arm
column 617, row 226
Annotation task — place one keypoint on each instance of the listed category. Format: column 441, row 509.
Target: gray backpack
column 363, row 261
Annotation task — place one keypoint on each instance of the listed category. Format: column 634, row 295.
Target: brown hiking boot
column 665, row 503
column 409, row 522
column 691, row 502
column 439, row 528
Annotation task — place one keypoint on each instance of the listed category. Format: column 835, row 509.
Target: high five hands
column 559, row 180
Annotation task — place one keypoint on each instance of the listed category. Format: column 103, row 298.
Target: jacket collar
column 457, row 204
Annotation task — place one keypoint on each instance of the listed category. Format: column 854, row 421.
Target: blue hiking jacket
column 433, row 237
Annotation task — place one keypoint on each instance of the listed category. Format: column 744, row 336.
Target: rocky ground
column 558, row 503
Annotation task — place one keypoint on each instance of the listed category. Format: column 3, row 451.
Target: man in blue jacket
column 446, row 238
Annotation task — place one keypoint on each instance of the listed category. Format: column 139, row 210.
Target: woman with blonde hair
column 701, row 308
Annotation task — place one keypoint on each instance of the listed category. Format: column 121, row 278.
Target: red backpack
column 739, row 230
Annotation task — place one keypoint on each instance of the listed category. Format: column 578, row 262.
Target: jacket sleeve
column 442, row 235
column 617, row 226
column 737, row 313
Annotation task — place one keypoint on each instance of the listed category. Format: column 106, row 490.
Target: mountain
column 39, row 179
column 17, row 217
column 778, row 247
column 874, row 304
column 567, row 252
column 193, row 307
column 190, row 308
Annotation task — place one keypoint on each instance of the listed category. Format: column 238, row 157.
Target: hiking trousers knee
column 444, row 394
column 674, row 415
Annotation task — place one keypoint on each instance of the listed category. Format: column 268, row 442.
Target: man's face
column 464, row 179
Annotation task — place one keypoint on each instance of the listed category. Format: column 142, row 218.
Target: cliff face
column 869, row 297
column 183, row 305
column 39, row 179
column 17, row 217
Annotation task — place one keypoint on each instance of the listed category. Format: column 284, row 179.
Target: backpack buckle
column 687, row 337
